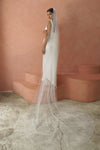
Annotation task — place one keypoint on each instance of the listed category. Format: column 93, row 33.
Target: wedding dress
column 54, row 125
column 49, row 124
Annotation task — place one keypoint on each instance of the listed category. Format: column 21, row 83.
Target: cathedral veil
column 53, row 124
column 46, row 95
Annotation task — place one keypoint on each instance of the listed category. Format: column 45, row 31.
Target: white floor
column 13, row 135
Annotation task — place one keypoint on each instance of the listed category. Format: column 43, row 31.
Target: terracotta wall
column 21, row 25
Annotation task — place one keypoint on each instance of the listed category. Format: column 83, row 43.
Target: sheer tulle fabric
column 56, row 125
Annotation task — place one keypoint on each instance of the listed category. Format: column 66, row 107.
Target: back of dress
column 50, row 59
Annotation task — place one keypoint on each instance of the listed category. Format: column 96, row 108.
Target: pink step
column 36, row 78
column 74, row 86
column 85, row 76
column 84, row 88
column 25, row 89
column 62, row 93
column 32, row 78
column 89, row 69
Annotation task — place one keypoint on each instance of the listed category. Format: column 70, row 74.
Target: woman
column 50, row 48
column 53, row 124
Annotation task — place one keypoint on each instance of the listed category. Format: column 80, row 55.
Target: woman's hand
column 43, row 49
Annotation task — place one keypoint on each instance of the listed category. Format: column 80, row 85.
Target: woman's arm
column 44, row 34
column 47, row 33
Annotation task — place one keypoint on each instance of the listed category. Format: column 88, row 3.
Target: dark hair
column 50, row 9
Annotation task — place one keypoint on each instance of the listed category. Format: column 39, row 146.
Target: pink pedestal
column 82, row 86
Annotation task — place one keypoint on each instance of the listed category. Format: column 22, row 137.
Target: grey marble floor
column 18, row 103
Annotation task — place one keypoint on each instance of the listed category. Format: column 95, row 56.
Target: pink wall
column 21, row 25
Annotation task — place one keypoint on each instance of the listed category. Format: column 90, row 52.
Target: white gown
column 50, row 59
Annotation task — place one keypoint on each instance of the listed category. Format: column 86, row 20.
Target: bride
column 53, row 124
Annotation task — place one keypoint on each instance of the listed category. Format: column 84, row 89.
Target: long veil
column 50, row 124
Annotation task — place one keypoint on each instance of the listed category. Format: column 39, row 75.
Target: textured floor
column 12, row 105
